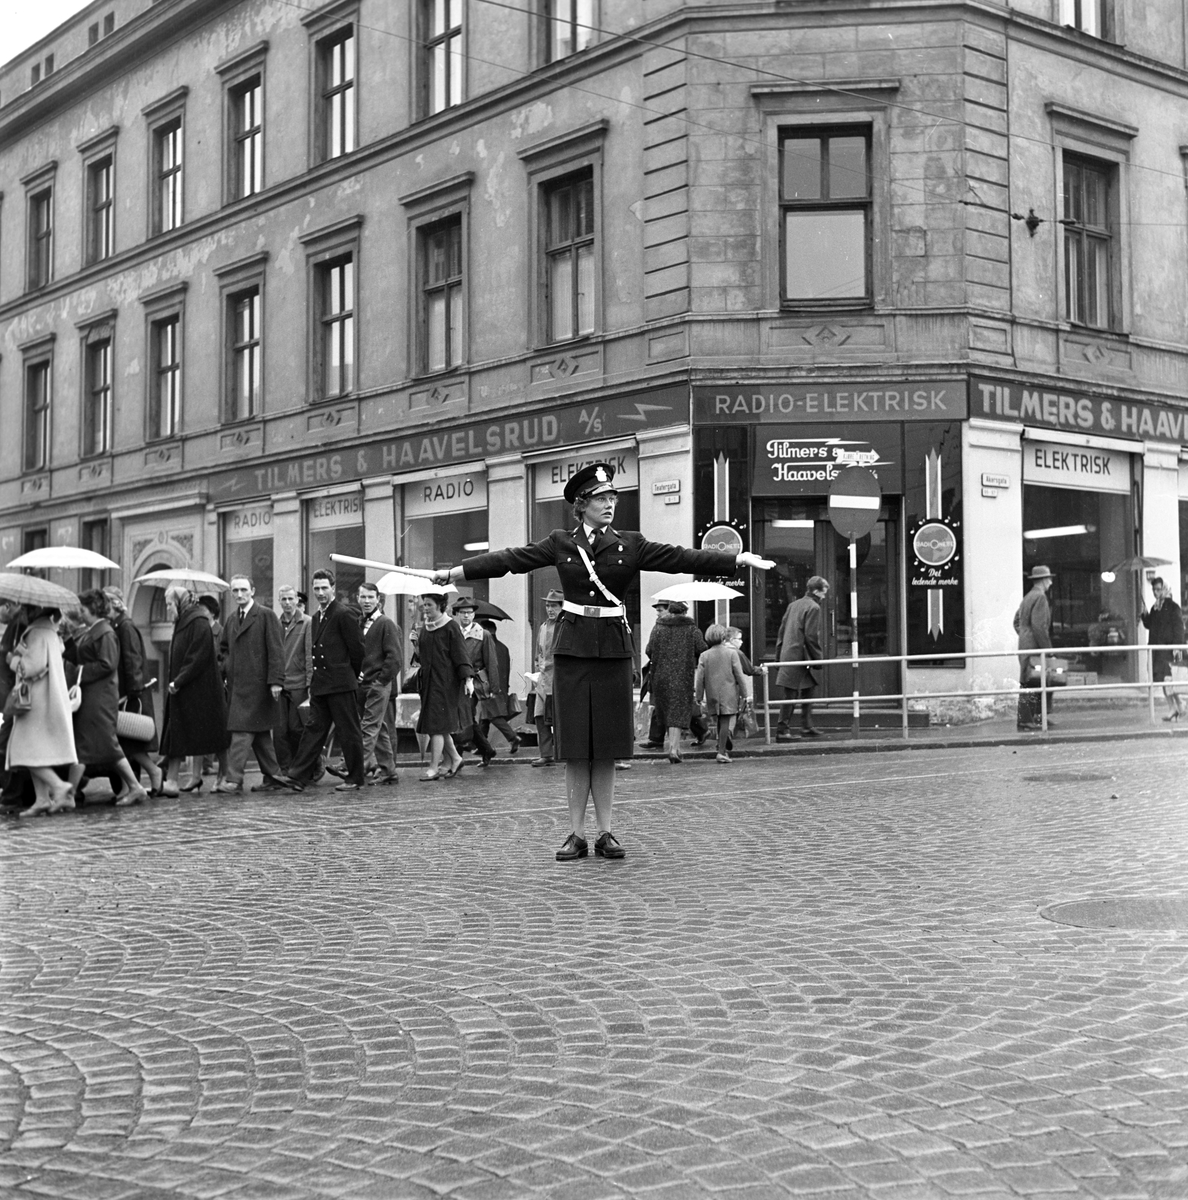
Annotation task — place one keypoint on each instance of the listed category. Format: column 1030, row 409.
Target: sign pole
column 854, row 631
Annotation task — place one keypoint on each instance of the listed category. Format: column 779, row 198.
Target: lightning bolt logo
column 642, row 410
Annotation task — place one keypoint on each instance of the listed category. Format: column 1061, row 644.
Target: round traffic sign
column 854, row 499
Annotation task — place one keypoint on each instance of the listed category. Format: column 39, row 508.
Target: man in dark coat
column 337, row 661
column 1165, row 624
column 253, row 661
column 382, row 663
column 800, row 639
column 1032, row 621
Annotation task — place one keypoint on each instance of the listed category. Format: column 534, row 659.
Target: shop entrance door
column 797, row 534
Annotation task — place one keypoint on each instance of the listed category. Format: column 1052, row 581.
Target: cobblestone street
column 821, row 975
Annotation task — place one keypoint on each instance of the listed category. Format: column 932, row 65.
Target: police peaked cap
column 590, row 481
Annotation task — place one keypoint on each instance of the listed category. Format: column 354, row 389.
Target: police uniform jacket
column 337, row 650
column 618, row 557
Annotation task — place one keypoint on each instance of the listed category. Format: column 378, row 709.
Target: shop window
column 100, row 209
column 441, row 55
column 41, row 238
column 1089, row 16
column 445, row 539
column 336, row 124
column 97, row 393
column 246, row 110
column 165, row 383
column 167, row 176
column 37, row 414
column 334, row 525
column 1088, row 241
column 825, row 215
column 1080, row 535
column 570, row 278
column 248, row 550
column 569, row 27
column 441, row 295
column 244, row 355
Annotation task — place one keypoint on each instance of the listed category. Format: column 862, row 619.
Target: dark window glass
column 247, row 116
column 41, row 238
column 165, row 399
column 337, row 67
column 569, row 254
column 338, row 326
column 97, row 400
column 100, row 209
column 1087, row 241
column 37, row 405
column 825, row 215
column 441, row 268
column 246, row 347
column 443, row 53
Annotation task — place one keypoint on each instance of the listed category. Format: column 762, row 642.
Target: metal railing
column 856, row 700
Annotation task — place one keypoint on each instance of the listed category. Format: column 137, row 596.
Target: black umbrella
column 491, row 611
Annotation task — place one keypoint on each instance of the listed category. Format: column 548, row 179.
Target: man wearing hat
column 480, row 649
column 544, row 678
column 1032, row 622
column 593, row 650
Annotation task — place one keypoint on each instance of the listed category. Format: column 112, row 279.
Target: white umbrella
column 32, row 589
column 699, row 589
column 66, row 558
column 399, row 583
column 170, row 575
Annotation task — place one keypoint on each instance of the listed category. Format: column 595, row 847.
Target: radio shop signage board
column 804, row 460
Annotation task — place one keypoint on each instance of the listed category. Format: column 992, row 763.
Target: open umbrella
column 31, row 589
column 66, row 558
column 699, row 589
column 171, row 575
column 491, row 611
column 1140, row 562
column 400, row 583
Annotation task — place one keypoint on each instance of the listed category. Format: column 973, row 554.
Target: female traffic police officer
column 592, row 653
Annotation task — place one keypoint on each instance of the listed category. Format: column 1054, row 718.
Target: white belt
column 592, row 610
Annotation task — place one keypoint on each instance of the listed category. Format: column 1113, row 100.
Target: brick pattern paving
column 812, row 976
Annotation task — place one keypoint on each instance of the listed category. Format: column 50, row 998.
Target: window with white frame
column 569, row 253
column 569, row 27
column 97, row 392
column 1089, row 241
column 38, row 376
column 441, row 66
column 1089, row 16
column 41, row 238
column 336, row 78
column 825, row 215
column 246, row 110
column 441, row 294
column 167, row 176
column 165, row 384
column 100, row 208
column 245, row 353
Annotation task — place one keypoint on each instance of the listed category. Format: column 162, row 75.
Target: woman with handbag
column 96, row 652
column 42, row 735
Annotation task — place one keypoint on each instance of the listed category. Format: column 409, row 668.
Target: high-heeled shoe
column 170, row 790
column 156, row 781
column 1173, row 716
column 454, row 769
column 194, row 785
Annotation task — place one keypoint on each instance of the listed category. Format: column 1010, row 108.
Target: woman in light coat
column 721, row 685
column 43, row 737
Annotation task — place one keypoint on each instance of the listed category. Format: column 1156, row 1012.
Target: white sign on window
column 1083, row 467
column 551, row 477
column 247, row 524
column 335, row 512
column 449, row 494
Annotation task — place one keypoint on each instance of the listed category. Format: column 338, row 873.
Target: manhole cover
column 1130, row 912
column 1066, row 777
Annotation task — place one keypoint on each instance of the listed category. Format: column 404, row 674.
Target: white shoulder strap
column 615, row 601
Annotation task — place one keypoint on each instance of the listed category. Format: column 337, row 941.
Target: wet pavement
column 814, row 974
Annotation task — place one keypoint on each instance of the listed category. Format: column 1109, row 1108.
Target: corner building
column 278, row 281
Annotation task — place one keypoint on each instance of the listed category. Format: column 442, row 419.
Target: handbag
column 20, row 700
column 134, row 727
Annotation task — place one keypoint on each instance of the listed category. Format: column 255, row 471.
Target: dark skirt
column 1161, row 665
column 593, row 708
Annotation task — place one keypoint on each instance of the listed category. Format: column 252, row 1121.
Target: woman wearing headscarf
column 96, row 651
column 445, row 683
column 593, row 653
column 43, row 737
column 673, row 650
column 195, row 706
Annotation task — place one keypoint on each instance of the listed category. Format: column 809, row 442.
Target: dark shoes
column 269, row 784
column 784, row 737
column 294, row 785
column 514, row 747
column 542, row 762
column 384, row 779
column 574, row 847
column 810, row 731
column 348, row 786
column 608, row 846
